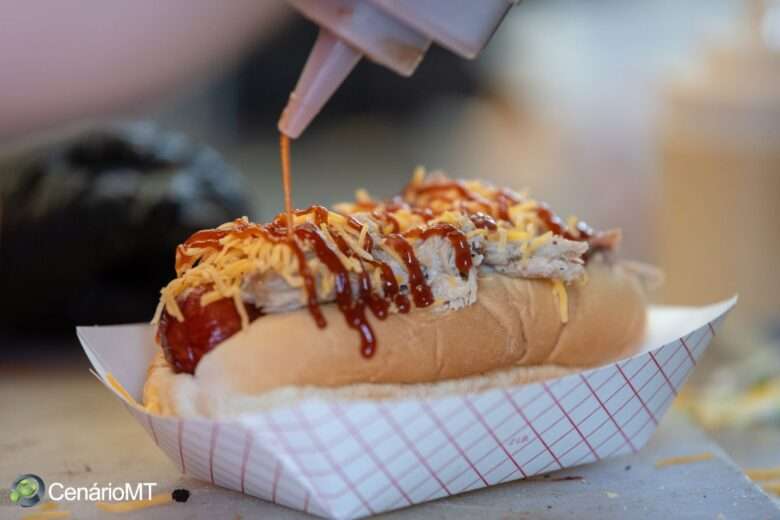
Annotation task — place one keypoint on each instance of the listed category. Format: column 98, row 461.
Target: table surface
column 60, row 423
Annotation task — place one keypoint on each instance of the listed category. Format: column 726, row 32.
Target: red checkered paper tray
column 349, row 459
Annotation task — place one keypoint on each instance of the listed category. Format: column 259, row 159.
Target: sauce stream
column 284, row 150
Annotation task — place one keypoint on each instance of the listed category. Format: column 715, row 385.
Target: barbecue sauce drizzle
column 421, row 291
column 282, row 230
column 457, row 239
column 284, row 152
column 498, row 210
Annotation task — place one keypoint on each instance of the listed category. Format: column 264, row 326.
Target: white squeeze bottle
column 393, row 33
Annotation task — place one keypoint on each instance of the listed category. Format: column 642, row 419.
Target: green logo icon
column 27, row 490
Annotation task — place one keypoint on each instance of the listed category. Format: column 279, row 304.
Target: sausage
column 185, row 342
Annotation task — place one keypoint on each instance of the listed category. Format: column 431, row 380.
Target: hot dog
column 450, row 285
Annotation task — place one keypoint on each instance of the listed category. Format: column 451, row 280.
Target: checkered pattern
column 353, row 459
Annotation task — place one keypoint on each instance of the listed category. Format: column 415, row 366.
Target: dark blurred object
column 90, row 224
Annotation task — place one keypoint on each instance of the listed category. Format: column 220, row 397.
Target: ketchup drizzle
column 377, row 304
column 210, row 239
column 421, row 292
column 483, row 221
column 308, row 283
column 385, row 217
column 554, row 223
column 504, row 200
column 457, row 239
column 499, row 209
column 352, row 309
column 463, row 193
column 284, row 152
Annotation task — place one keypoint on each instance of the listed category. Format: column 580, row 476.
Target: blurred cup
column 720, row 161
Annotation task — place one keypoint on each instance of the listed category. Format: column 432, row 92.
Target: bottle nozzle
column 330, row 62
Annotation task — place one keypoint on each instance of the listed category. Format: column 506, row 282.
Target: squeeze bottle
column 393, row 33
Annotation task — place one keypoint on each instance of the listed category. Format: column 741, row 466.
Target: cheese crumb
column 763, row 473
column 134, row 505
column 563, row 299
column 684, row 459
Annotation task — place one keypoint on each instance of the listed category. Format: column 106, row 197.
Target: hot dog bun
column 512, row 334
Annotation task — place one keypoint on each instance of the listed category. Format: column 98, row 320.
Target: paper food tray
column 349, row 459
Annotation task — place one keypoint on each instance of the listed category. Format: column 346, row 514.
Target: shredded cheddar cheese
column 539, row 241
column 362, row 238
column 221, row 260
column 502, row 238
column 763, row 473
column 563, row 300
column 571, row 223
column 520, row 213
column 684, row 459
column 116, row 385
column 419, row 175
column 241, row 310
column 516, row 235
column 772, row 487
column 361, row 195
column 525, row 252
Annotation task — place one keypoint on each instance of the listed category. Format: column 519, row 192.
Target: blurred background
column 660, row 117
